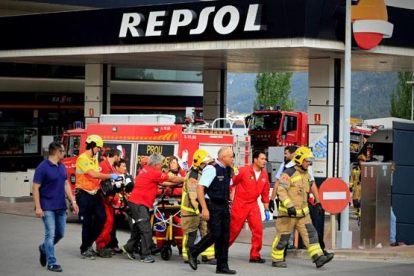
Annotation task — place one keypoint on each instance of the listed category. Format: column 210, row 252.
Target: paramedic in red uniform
column 250, row 182
column 141, row 200
column 107, row 166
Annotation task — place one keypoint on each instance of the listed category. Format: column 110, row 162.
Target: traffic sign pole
column 345, row 236
column 334, row 196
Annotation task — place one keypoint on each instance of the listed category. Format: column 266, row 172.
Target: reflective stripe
column 296, row 178
column 277, row 254
column 315, row 249
column 286, row 201
column 188, row 209
column 298, row 212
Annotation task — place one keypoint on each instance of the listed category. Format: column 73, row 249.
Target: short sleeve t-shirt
column 52, row 180
column 85, row 163
column 146, row 185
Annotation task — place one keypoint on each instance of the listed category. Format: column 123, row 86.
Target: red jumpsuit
column 245, row 206
column 105, row 237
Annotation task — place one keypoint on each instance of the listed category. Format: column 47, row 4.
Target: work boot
column 192, row 260
column 326, row 253
column 279, row 264
column 322, row 260
column 206, row 260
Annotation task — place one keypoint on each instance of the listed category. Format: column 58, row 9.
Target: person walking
column 250, row 183
column 213, row 194
column 191, row 220
column 141, row 201
column 88, row 195
column 50, row 185
column 293, row 193
column 102, row 242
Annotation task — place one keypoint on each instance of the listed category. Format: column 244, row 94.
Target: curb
column 352, row 254
column 16, row 199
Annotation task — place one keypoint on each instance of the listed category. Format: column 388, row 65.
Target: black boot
column 322, row 260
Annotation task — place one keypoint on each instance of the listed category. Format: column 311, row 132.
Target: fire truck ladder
column 242, row 147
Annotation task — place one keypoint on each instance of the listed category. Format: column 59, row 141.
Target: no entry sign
column 334, row 195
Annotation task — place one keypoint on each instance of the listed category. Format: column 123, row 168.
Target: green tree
column 273, row 89
column 401, row 100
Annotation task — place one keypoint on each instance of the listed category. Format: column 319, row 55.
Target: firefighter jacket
column 293, row 190
column 355, row 183
column 189, row 203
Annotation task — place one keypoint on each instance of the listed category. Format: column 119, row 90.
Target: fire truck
column 276, row 128
column 138, row 136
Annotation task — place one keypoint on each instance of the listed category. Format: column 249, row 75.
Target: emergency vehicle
column 277, row 128
column 138, row 136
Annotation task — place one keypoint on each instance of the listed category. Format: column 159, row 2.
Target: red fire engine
column 138, row 136
column 276, row 128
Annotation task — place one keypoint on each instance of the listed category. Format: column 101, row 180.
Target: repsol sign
column 223, row 20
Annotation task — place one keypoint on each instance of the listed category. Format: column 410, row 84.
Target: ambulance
column 138, row 136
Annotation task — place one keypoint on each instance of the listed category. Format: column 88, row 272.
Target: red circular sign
column 334, row 195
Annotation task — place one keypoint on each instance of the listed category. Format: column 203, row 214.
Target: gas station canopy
column 240, row 36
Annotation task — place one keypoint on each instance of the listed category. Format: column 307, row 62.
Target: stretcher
column 166, row 222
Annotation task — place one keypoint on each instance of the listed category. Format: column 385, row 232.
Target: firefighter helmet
column 201, row 156
column 301, row 154
column 96, row 139
column 362, row 157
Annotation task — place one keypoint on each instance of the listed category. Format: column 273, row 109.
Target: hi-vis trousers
column 285, row 226
column 191, row 224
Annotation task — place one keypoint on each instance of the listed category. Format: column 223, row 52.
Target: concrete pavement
column 21, row 235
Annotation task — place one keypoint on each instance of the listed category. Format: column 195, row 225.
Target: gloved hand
column 114, row 176
column 267, row 215
column 319, row 209
column 184, row 156
column 272, row 206
column 291, row 211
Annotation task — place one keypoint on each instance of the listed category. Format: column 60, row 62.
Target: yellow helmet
column 301, row 154
column 362, row 157
column 95, row 138
column 201, row 156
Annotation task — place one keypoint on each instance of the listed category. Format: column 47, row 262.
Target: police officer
column 293, row 193
column 213, row 193
column 191, row 220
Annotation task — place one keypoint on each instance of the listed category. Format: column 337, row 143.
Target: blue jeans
column 55, row 222
column 393, row 231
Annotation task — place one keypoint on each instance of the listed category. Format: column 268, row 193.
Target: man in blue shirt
column 50, row 184
column 213, row 194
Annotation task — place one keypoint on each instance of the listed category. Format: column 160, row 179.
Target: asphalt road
column 20, row 237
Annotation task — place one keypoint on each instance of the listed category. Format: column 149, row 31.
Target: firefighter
column 293, row 193
column 91, row 207
column 191, row 220
column 107, row 166
column 250, row 182
column 355, row 184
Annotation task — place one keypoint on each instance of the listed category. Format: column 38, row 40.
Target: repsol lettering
column 225, row 20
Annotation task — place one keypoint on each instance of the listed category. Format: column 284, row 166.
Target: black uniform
column 219, row 222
